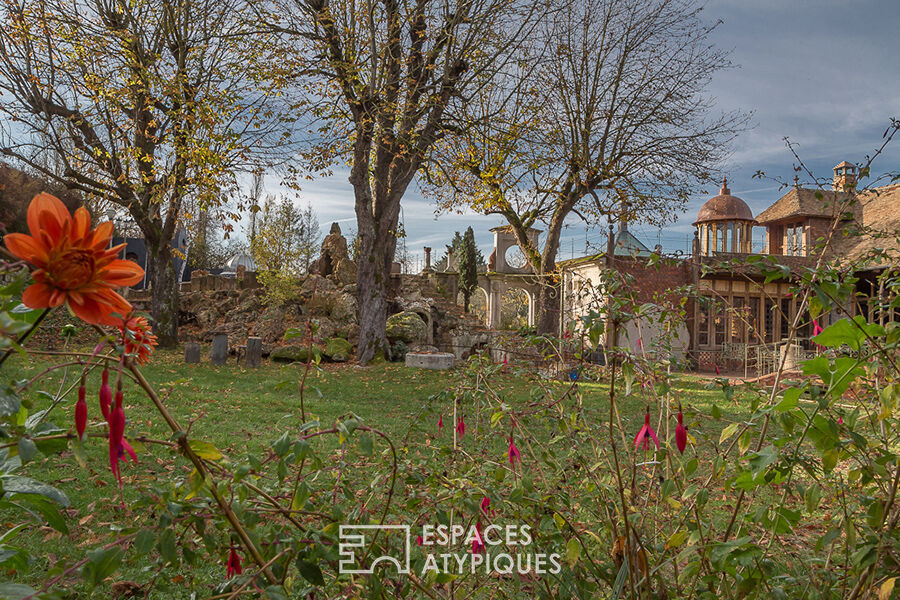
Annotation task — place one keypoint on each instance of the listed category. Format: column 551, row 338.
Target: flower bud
column 116, row 431
column 81, row 412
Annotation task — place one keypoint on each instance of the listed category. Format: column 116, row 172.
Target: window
column 738, row 320
column 769, row 320
column 719, row 324
column 793, row 240
column 703, row 322
column 753, row 331
column 785, row 317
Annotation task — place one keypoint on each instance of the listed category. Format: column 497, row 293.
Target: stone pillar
column 253, row 352
column 494, row 307
column 192, row 353
column 531, row 308
column 427, row 268
column 219, row 353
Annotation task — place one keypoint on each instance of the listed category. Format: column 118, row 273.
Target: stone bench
column 440, row 361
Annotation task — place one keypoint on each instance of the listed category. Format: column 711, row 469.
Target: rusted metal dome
column 724, row 207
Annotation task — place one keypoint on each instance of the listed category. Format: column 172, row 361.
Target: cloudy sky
column 819, row 72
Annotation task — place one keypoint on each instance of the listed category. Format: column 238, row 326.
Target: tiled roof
column 802, row 202
column 879, row 227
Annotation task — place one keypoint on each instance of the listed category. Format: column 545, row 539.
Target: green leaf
column 43, row 509
column 728, row 432
column 166, row 546
column 205, row 450
column 573, row 550
column 300, row 497
column 559, row 520
column 676, row 539
column 847, row 332
column 690, row 467
column 144, row 541
column 282, row 445
column 16, row 484
column 78, row 452
column 812, row 497
column 15, row 591
column 275, row 592
column 790, row 400
column 27, row 449
column 875, row 513
column 310, row 572
column 9, row 401
column 365, row 444
column 830, row 459
column 102, row 563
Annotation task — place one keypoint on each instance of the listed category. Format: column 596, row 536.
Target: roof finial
column 797, row 181
column 724, row 191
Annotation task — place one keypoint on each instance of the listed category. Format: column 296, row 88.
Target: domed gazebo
column 241, row 259
column 725, row 224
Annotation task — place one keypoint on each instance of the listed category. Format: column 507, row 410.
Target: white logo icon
column 358, row 536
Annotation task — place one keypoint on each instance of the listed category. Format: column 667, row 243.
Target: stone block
column 253, row 355
column 192, row 353
column 440, row 361
column 219, row 352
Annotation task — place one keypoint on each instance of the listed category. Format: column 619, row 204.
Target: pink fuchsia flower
column 126, row 450
column 116, row 432
column 478, row 541
column 515, row 457
column 233, row 566
column 419, row 540
column 81, row 411
column 460, row 427
column 840, row 420
column 641, row 343
column 440, row 423
column 680, row 433
column 486, row 507
column 717, row 369
column 105, row 394
column 646, row 434
column 817, row 329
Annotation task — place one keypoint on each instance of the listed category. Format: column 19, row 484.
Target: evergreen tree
column 468, row 267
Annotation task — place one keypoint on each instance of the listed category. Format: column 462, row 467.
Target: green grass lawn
column 242, row 411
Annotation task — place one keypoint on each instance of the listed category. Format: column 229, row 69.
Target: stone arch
column 495, row 286
column 425, row 313
column 504, row 239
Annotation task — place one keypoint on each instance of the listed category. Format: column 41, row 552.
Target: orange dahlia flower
column 72, row 262
column 139, row 342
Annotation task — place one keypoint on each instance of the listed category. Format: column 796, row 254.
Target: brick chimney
column 844, row 177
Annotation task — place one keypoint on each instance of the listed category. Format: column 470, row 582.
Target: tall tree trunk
column 163, row 281
column 373, row 274
column 547, row 308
